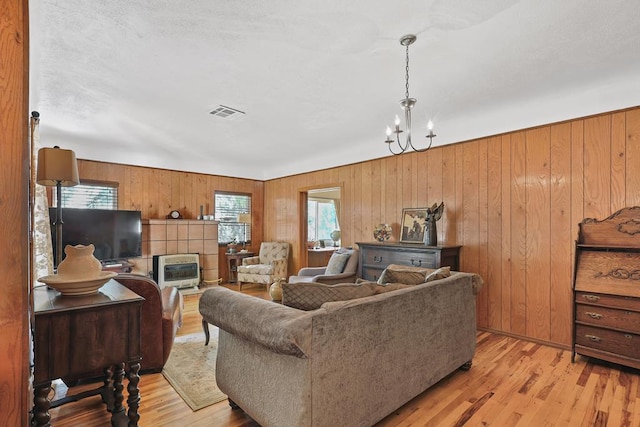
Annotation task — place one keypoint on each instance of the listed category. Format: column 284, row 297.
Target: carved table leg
column 133, row 402
column 205, row 328
column 41, row 417
column 118, row 375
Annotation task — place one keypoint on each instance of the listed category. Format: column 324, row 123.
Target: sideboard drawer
column 623, row 343
column 608, row 317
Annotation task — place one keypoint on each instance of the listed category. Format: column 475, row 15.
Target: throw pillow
column 310, row 296
column 438, row 274
column 402, row 274
column 336, row 263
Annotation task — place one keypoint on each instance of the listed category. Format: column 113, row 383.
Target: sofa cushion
column 337, row 262
column 310, row 296
column 438, row 274
column 256, row 269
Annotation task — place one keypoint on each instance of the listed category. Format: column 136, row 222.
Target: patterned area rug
column 197, row 387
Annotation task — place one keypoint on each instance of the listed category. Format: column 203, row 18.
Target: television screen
column 116, row 234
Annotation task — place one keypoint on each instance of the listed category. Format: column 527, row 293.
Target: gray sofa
column 348, row 363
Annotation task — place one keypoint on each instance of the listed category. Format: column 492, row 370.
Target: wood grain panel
column 450, row 216
column 632, row 148
column 506, row 250
column 618, row 162
column 597, row 166
column 537, row 211
column 15, row 152
column 483, row 224
column 494, row 233
column 577, row 179
column 518, row 235
column 560, row 234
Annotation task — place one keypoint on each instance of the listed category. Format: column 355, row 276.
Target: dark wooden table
column 76, row 335
column 232, row 263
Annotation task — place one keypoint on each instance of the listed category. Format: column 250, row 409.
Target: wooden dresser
column 607, row 288
column 375, row 257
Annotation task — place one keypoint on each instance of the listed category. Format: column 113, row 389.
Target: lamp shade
column 244, row 218
column 57, row 165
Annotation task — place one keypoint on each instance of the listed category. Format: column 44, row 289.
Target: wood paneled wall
column 155, row 192
column 14, row 245
column 513, row 201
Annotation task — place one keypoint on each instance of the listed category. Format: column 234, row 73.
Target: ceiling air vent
column 225, row 112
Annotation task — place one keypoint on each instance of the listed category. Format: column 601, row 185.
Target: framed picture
column 414, row 221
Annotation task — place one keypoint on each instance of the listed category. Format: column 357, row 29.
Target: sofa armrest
column 333, row 279
column 312, row 271
column 172, row 305
column 281, row 329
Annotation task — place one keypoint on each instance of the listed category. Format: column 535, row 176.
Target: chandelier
column 407, row 104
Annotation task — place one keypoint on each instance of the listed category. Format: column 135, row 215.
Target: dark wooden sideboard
column 375, row 257
column 75, row 335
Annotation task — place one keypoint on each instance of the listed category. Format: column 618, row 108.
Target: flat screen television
column 116, row 234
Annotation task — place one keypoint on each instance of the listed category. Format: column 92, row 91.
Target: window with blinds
column 91, row 195
column 228, row 208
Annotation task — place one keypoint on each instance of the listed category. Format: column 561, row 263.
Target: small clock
column 174, row 214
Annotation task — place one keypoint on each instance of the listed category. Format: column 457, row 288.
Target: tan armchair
column 342, row 268
column 270, row 264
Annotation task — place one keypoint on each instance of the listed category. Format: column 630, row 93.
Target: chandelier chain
column 406, row 94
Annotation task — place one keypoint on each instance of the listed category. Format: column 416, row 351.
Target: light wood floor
column 511, row 383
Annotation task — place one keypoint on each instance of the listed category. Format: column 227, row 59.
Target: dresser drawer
column 624, row 320
column 613, row 301
column 623, row 343
column 372, row 273
column 385, row 257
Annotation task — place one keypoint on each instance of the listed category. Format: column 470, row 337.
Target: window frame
column 92, row 183
column 235, row 224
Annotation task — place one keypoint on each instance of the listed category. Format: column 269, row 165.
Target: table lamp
column 59, row 168
column 244, row 218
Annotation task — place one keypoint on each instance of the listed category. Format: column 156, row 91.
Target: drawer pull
column 416, row 264
column 591, row 297
column 594, row 315
column 627, row 336
column 377, row 259
column 593, row 338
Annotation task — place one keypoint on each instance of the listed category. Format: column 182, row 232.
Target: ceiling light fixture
column 407, row 104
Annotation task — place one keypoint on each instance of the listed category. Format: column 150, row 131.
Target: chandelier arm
column 400, row 146
column 420, row 150
column 393, row 152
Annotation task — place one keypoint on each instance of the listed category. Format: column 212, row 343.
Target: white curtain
column 42, row 249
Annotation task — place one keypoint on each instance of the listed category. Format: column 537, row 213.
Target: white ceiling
column 133, row 81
